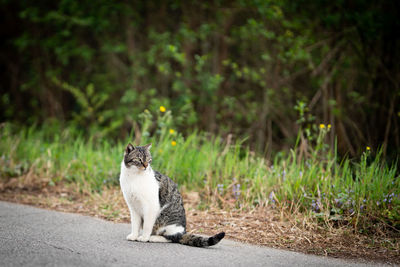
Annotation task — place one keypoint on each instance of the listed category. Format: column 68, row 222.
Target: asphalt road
column 35, row 237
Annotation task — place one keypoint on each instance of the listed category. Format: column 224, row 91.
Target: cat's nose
column 145, row 164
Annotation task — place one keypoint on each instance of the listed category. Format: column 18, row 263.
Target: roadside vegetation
column 363, row 193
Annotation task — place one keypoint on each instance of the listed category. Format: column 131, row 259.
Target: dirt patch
column 260, row 226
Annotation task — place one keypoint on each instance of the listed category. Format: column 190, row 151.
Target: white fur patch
column 140, row 190
column 171, row 229
column 158, row 239
column 131, row 237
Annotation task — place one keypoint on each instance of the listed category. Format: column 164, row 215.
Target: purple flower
column 316, row 206
column 220, row 188
column 236, row 190
column 338, row 201
column 271, row 197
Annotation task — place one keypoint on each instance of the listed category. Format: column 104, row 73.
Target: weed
column 311, row 181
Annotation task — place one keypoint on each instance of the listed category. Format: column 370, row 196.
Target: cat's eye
column 134, row 162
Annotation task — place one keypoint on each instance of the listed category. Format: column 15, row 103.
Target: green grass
column 358, row 192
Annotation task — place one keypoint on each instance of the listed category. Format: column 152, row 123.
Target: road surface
column 35, row 237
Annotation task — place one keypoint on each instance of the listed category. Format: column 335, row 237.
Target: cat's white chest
column 140, row 189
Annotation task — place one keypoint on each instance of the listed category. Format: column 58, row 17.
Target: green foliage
column 235, row 68
column 349, row 192
column 58, row 155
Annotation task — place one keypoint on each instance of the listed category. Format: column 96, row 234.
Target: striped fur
column 155, row 204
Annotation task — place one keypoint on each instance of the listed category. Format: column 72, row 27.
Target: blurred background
column 259, row 70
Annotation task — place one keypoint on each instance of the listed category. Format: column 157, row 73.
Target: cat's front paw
column 132, row 237
column 143, row 239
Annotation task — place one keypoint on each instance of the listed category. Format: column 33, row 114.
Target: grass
column 362, row 194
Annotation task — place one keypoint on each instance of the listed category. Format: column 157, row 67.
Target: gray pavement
column 35, row 237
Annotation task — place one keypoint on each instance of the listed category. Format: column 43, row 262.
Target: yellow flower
column 368, row 148
column 329, row 126
column 173, row 143
column 322, row 126
column 289, row 33
column 171, row 131
column 162, row 109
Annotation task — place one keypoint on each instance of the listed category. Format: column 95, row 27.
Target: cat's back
column 169, row 191
column 165, row 182
column 173, row 211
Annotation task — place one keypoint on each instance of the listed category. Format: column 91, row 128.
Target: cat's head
column 137, row 157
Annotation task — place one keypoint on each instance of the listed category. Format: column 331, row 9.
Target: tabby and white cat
column 155, row 204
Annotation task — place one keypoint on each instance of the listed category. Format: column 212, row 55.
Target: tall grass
column 58, row 155
column 224, row 172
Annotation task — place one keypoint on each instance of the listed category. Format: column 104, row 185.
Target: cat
column 155, row 204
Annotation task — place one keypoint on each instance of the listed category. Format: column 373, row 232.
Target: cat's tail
column 196, row 240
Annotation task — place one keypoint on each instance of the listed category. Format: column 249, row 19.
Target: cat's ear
column 129, row 148
column 148, row 146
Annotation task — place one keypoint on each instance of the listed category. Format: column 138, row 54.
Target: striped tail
column 195, row 240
